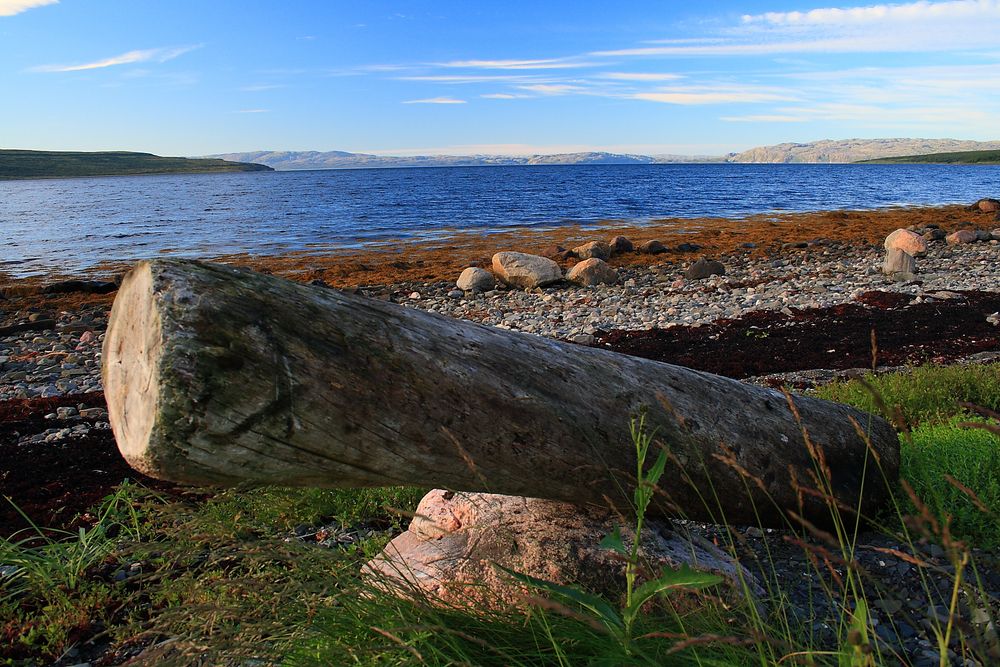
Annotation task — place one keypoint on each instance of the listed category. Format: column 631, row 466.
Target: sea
column 70, row 225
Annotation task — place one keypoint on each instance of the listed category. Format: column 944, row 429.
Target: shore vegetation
column 24, row 164
column 273, row 575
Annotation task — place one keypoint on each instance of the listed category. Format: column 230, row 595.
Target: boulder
column 909, row 242
column 960, row 237
column 455, row 540
column 987, row 205
column 557, row 253
column 897, row 261
column 591, row 272
column 523, row 270
column 474, row 279
column 652, row 248
column 688, row 247
column 704, row 268
column 620, row 244
column 983, row 235
column 934, row 234
column 597, row 249
column 995, row 234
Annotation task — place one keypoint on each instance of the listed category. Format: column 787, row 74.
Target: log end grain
column 130, row 367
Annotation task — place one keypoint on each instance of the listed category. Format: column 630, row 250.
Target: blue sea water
column 73, row 224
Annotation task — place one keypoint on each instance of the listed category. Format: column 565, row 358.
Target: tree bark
column 217, row 375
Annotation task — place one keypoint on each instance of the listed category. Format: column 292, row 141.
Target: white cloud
column 716, row 97
column 504, row 96
column 886, row 13
column 161, row 55
column 639, row 76
column 914, row 27
column 472, row 78
column 11, row 7
column 436, row 100
column 546, row 63
column 551, row 88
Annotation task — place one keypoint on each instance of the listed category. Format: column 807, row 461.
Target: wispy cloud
column 545, row 63
column 504, row 96
column 886, row 13
column 11, row 7
column 436, row 100
column 472, row 78
column 883, row 28
column 639, row 76
column 706, row 98
column 161, row 55
column 552, row 88
column 715, row 94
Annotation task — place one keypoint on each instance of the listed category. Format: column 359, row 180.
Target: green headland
column 962, row 157
column 20, row 164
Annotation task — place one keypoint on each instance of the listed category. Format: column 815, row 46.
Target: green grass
column 19, row 164
column 219, row 579
column 923, row 394
column 929, row 401
column 972, row 458
column 960, row 157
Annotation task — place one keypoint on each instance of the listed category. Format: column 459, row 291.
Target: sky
column 195, row 77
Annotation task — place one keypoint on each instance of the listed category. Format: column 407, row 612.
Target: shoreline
column 414, row 260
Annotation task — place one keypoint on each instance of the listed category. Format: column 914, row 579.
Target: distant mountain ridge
column 291, row 160
column 856, row 150
column 825, row 151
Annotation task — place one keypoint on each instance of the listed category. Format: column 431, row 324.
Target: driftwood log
column 218, row 375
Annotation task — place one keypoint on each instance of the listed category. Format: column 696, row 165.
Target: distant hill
column 825, row 151
column 290, row 160
column 963, row 157
column 856, row 150
column 19, row 164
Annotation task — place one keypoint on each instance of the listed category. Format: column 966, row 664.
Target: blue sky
column 205, row 76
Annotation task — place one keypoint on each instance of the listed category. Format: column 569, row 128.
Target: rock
column 983, row 235
column 995, row 234
column 909, row 242
column 704, row 268
column 591, row 272
column 652, row 248
column 65, row 412
column 987, row 205
column 523, row 270
column 557, row 253
column 474, row 279
column 86, row 286
column 597, row 249
column 898, row 261
column 960, row 237
column 620, row 244
column 456, row 294
column 934, row 234
column 688, row 247
column 449, row 551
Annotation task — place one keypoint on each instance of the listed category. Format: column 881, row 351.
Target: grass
column 925, row 394
column 18, row 164
column 221, row 579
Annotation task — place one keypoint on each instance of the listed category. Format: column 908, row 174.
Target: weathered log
column 217, row 375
